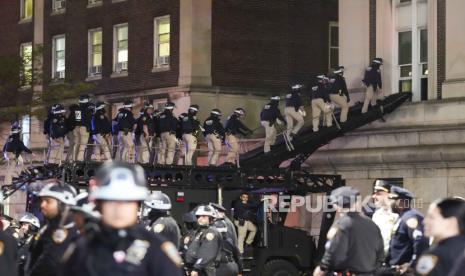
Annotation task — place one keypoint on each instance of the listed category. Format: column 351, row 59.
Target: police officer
column 203, row 254
column 221, row 216
column 126, row 127
column 57, row 133
column 50, row 243
column 160, row 220
column 30, row 225
column 372, row 82
column 444, row 223
column 234, row 127
column 269, row 116
column 8, row 251
column 407, row 241
column 214, row 132
column 85, row 215
column 321, row 104
column 355, row 245
column 145, row 132
column 383, row 217
column 230, row 262
column 121, row 246
column 156, row 142
column 190, row 228
column 294, row 110
column 101, row 128
column 339, row 93
column 191, row 130
column 82, row 117
column 12, row 151
column 167, row 125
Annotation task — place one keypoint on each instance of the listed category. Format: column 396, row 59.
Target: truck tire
column 280, row 268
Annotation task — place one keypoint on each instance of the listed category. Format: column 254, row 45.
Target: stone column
column 195, row 43
column 432, row 50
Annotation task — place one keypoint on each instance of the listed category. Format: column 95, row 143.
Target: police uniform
column 132, row 251
column 231, row 229
column 12, row 150
column 8, row 254
column 339, row 93
column 439, row 260
column 82, row 120
column 167, row 228
column 144, row 134
column 294, row 110
column 459, row 265
column 230, row 261
column 269, row 116
column 156, row 141
column 57, row 134
column 204, row 251
column 372, row 81
column 214, row 132
column 321, row 104
column 190, row 127
column 116, row 149
column 190, row 228
column 101, row 128
column 126, row 123
column 168, row 125
column 354, row 245
column 234, row 127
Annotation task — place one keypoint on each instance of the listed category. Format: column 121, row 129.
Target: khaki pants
column 126, row 144
column 143, row 149
column 57, row 147
column 103, row 145
column 233, row 145
column 270, row 135
column 318, row 107
column 190, row 143
column 71, row 146
column 157, row 148
column 15, row 166
column 292, row 115
column 242, row 234
column 81, row 138
column 370, row 97
column 168, row 146
column 341, row 101
column 214, row 149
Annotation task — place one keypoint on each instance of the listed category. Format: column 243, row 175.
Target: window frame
column 401, row 79
column 116, row 49
column 332, row 24
column 25, row 132
column 90, row 53
column 156, row 23
column 23, row 69
column 22, row 15
column 56, row 10
column 54, row 56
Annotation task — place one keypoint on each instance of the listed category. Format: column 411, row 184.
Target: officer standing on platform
column 355, row 245
column 214, row 132
column 160, row 220
column 57, row 133
column 144, row 134
column 339, row 93
column 156, row 141
column 8, row 250
column 233, row 127
column 269, row 116
column 445, row 224
column 407, row 242
column 294, row 110
column 373, row 83
column 204, row 251
column 168, row 125
column 52, row 240
column 101, row 128
column 12, row 150
column 321, row 104
column 121, row 247
column 82, row 117
column 126, row 127
column 191, row 129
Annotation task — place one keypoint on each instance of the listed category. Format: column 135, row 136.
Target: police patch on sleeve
column 426, row 264
column 412, row 222
column 209, row 236
column 170, row 250
column 158, row 228
column 186, row 240
column 331, row 233
column 60, row 235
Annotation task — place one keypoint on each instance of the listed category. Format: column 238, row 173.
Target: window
column 424, row 51
column 94, row 2
column 59, row 5
column 95, row 52
column 333, row 45
column 26, row 129
column 162, row 41
column 25, row 74
column 26, row 9
column 58, row 57
column 120, row 46
column 405, row 61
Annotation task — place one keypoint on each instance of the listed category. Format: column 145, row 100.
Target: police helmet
column 240, row 111
column 275, row 98
column 156, row 112
column 121, row 182
column 321, row 78
column 15, row 130
column 194, row 108
column 59, row 109
column 296, row 86
column 31, row 219
column 100, row 105
column 215, row 112
column 158, row 201
column 339, row 70
column 128, row 104
column 218, row 207
column 84, row 99
column 206, row 210
column 60, row 191
column 378, row 61
column 182, row 116
column 169, row 106
column 85, row 207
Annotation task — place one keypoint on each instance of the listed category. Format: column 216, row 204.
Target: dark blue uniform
column 15, row 145
column 320, row 91
column 168, row 123
column 234, row 126
column 71, row 120
column 190, row 125
column 293, row 99
column 212, row 125
column 58, row 127
column 100, row 123
column 338, row 86
column 271, row 112
column 81, row 116
column 407, row 242
column 125, row 120
column 145, row 120
column 47, row 124
column 204, row 251
column 373, row 77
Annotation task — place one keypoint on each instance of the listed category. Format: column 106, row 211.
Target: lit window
column 333, row 45
column 26, row 9
column 59, row 5
column 26, row 64
column 95, row 52
column 162, row 41
column 405, row 61
column 26, row 129
column 120, row 43
column 58, row 57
